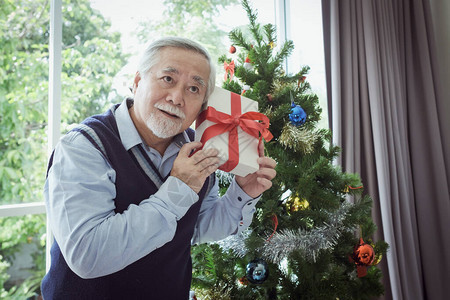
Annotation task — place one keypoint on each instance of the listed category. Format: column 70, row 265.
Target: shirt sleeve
column 94, row 240
column 223, row 216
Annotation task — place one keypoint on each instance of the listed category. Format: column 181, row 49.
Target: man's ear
column 137, row 78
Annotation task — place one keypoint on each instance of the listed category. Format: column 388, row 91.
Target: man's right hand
column 193, row 170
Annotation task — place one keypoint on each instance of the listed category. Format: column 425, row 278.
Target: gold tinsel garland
column 298, row 139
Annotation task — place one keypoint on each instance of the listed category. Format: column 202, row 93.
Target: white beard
column 163, row 127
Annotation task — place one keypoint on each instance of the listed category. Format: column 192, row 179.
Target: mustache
column 171, row 109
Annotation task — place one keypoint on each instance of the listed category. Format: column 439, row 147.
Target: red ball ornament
column 363, row 256
column 232, row 49
column 243, row 280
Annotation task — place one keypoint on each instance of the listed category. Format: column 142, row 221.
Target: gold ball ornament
column 296, row 203
column 378, row 257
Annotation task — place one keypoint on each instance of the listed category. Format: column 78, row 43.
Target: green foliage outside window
column 91, row 56
column 201, row 27
column 18, row 232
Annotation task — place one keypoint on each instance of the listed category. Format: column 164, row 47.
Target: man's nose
column 176, row 96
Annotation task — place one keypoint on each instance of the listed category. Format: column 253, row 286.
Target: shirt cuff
column 240, row 199
column 178, row 196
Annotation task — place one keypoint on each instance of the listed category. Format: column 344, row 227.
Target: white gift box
column 231, row 104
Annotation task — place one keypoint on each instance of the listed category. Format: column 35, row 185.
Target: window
column 92, row 56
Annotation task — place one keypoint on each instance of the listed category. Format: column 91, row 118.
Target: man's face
column 169, row 97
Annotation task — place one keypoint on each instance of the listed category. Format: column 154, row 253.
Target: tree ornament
column 246, row 88
column 310, row 242
column 297, row 115
column 257, row 271
column 377, row 258
column 299, row 139
column 349, row 187
column 363, row 256
column 243, row 280
column 296, row 204
column 192, row 295
column 232, row 49
column 248, row 64
column 229, row 67
column 275, row 225
column 283, row 243
column 272, row 45
column 269, row 97
column 301, row 80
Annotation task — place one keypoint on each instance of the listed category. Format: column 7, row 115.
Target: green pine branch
column 254, row 27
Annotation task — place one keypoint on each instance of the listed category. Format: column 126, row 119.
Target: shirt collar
column 129, row 135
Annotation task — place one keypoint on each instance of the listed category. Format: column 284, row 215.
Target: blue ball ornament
column 297, row 115
column 257, row 271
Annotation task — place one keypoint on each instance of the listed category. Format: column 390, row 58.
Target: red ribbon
column 355, row 188
column 229, row 67
column 275, row 225
column 230, row 123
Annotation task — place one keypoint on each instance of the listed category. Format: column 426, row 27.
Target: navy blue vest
column 165, row 273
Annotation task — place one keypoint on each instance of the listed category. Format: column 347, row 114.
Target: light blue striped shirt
column 94, row 240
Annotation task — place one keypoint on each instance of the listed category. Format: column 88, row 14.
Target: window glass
column 22, row 256
column 24, row 26
column 23, row 99
column 306, row 33
column 208, row 22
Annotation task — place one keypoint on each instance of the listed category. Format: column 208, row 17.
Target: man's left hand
column 256, row 183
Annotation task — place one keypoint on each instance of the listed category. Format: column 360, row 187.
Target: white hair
column 150, row 57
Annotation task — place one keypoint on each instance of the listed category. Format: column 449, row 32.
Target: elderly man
column 126, row 197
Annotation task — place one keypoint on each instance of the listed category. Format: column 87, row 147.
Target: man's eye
column 167, row 79
column 194, row 89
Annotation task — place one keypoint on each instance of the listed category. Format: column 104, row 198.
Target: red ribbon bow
column 229, row 67
column 230, row 123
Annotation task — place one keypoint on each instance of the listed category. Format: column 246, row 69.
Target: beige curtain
column 390, row 113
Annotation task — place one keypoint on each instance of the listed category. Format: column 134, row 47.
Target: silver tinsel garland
column 285, row 242
column 236, row 243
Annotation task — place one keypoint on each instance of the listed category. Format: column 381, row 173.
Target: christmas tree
column 310, row 236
